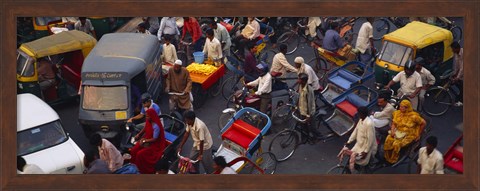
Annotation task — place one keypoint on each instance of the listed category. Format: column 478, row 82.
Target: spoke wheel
column 292, row 41
column 229, row 86
column 437, row 101
column 267, row 162
column 281, row 118
column 283, row 145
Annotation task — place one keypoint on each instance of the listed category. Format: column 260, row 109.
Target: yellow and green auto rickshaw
column 65, row 53
column 416, row 39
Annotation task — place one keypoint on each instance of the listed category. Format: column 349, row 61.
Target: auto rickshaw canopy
column 420, row 35
column 128, row 53
column 66, row 41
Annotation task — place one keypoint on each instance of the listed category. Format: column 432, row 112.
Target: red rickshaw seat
column 241, row 133
column 454, row 160
column 347, row 108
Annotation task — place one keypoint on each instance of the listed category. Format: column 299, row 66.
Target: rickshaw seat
column 350, row 104
column 241, row 133
column 343, row 79
column 170, row 138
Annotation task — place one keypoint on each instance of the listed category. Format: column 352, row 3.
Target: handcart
column 241, row 139
column 204, row 85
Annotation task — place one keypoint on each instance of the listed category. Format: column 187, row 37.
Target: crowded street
column 318, row 156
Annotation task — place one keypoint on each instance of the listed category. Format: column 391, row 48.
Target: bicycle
column 284, row 143
column 381, row 26
column 439, row 99
column 184, row 53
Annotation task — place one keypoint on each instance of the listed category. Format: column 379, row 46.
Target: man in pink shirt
column 108, row 152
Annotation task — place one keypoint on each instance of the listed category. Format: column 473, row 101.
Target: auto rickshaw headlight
column 104, row 128
column 386, row 66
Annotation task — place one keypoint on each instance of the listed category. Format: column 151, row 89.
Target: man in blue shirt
column 147, row 104
column 332, row 40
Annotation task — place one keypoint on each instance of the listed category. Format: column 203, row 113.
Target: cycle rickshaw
column 241, row 139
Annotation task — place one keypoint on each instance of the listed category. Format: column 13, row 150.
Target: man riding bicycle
column 264, row 84
column 179, row 82
column 365, row 143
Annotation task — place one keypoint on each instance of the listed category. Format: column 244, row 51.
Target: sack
column 247, row 31
column 399, row 134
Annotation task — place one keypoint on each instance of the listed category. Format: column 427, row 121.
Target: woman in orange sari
column 149, row 149
column 407, row 126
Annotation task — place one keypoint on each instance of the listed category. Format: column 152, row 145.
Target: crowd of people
column 396, row 127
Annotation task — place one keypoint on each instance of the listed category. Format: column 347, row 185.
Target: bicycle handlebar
column 297, row 118
column 182, row 157
column 300, row 25
column 185, row 43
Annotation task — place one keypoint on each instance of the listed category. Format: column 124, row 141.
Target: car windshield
column 105, row 98
column 43, row 21
column 25, row 66
column 395, row 53
column 39, row 138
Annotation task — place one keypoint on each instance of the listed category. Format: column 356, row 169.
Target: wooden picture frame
column 11, row 9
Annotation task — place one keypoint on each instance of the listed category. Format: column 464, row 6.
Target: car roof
column 121, row 52
column 32, row 112
column 66, row 41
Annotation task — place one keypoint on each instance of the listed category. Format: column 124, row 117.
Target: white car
column 41, row 139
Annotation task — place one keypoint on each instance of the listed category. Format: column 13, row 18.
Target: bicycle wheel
column 267, row 162
column 229, row 86
column 457, row 33
column 437, row 101
column 291, row 39
column 283, row 145
column 223, row 120
column 339, row 170
column 281, row 117
column 380, row 28
column 321, row 67
column 199, row 95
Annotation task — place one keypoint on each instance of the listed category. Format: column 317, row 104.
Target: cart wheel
column 199, row 96
column 267, row 162
column 281, row 118
column 339, row 170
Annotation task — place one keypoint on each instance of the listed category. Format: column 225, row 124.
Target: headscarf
column 302, row 66
column 400, row 117
column 154, row 117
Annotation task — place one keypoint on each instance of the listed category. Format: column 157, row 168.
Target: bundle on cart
column 201, row 69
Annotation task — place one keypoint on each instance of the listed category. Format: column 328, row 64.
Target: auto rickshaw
column 65, row 51
column 120, row 68
column 416, row 39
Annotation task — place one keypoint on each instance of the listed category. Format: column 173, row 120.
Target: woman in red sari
column 149, row 149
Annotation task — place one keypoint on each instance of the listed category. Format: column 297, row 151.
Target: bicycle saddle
column 275, row 74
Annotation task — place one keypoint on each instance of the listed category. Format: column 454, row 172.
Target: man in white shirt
column 169, row 53
column 202, row 141
column 430, row 160
column 365, row 41
column 84, row 24
column 427, row 78
column 307, row 69
column 264, row 84
column 384, row 117
column 223, row 36
column 280, row 63
column 364, row 137
column 249, row 34
column 168, row 27
column 24, row 168
column 212, row 48
column 313, row 23
column 107, row 152
column 410, row 83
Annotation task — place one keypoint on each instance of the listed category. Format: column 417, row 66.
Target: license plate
column 120, row 115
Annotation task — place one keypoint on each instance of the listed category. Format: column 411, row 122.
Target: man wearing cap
column 178, row 81
column 427, row 78
column 264, row 84
column 312, row 77
column 147, row 103
column 410, row 83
